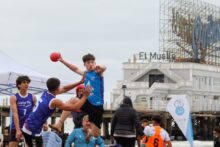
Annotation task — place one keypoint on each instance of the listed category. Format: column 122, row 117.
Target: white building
column 150, row 84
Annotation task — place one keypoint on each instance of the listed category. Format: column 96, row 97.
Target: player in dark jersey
column 22, row 104
column 94, row 78
column 46, row 105
column 76, row 115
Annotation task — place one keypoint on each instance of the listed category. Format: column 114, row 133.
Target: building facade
column 150, row 84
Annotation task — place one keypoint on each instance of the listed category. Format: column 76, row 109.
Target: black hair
column 217, row 129
column 22, row 79
column 127, row 100
column 88, row 57
column 157, row 119
column 53, row 84
column 144, row 120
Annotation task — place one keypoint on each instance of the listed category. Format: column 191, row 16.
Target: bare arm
column 56, row 103
column 169, row 143
column 13, row 105
column 72, row 67
column 70, row 86
column 14, row 112
column 34, row 99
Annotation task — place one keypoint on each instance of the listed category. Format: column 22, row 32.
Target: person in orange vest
column 144, row 123
column 156, row 135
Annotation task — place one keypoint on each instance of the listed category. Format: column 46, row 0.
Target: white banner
column 179, row 109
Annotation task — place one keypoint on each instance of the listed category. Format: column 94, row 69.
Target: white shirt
column 150, row 131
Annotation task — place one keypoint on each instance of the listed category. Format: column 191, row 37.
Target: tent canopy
column 10, row 70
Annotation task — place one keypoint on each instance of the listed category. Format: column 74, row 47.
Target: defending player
column 46, row 105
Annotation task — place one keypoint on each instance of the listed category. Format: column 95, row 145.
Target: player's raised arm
column 70, row 86
column 72, row 67
column 100, row 68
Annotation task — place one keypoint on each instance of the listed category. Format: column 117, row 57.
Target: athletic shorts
column 33, row 141
column 13, row 135
column 95, row 113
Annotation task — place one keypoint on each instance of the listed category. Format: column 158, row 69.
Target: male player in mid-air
column 46, row 105
column 94, row 105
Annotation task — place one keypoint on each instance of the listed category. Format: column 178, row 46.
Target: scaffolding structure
column 190, row 29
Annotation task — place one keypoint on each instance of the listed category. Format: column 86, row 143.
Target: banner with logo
column 179, row 109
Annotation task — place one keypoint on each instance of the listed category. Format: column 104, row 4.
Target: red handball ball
column 55, row 56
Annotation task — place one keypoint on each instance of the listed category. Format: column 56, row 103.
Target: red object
column 81, row 86
column 55, row 56
column 78, row 110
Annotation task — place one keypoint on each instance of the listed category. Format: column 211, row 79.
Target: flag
column 179, row 109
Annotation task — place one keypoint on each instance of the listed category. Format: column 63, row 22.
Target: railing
column 160, row 105
column 151, row 106
column 4, row 101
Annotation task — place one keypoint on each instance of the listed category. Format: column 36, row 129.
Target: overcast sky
column 113, row 30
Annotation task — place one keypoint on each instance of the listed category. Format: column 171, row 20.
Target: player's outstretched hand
column 60, row 59
column 87, row 91
column 98, row 68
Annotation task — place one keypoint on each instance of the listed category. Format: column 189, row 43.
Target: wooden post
column 164, row 119
column 106, row 128
column 3, row 123
column 169, row 121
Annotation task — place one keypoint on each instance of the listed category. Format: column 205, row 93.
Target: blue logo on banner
column 179, row 107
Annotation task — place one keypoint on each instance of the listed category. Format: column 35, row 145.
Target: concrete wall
column 128, row 73
column 184, row 73
column 154, row 72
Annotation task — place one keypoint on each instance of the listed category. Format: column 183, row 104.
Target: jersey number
column 25, row 110
column 39, row 101
column 156, row 140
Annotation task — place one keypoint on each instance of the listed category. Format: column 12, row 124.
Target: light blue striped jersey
column 51, row 139
column 96, row 81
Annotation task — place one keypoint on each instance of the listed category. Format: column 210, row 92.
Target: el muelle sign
column 167, row 56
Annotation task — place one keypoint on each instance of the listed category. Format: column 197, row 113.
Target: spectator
column 77, row 115
column 21, row 105
column 144, row 123
column 125, row 124
column 79, row 137
column 157, row 136
column 51, row 139
column 216, row 135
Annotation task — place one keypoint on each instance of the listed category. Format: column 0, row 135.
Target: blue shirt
column 51, row 139
column 40, row 114
column 78, row 137
column 24, row 106
column 96, row 81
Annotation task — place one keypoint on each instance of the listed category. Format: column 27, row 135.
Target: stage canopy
column 11, row 69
